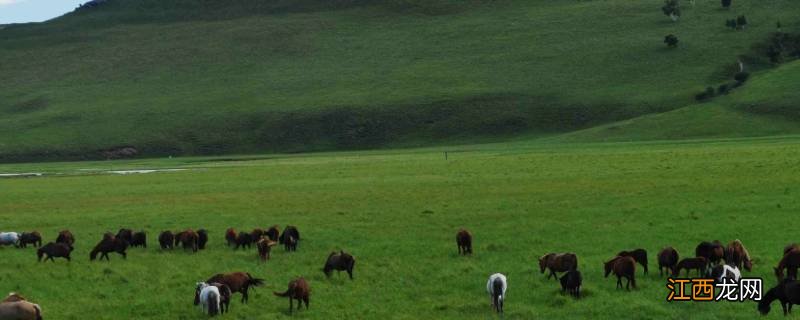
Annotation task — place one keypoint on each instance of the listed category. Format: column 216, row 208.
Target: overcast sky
column 18, row 11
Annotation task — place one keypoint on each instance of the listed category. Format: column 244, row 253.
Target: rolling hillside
column 204, row 77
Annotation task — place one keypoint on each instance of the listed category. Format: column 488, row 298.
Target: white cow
column 496, row 287
column 9, row 238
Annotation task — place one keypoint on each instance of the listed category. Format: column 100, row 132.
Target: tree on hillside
column 730, row 23
column 726, row 3
column 741, row 22
column 672, row 9
column 671, row 40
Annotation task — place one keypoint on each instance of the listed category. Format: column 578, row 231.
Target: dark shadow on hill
column 358, row 128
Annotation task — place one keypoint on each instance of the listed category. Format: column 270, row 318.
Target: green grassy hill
column 767, row 105
column 201, row 77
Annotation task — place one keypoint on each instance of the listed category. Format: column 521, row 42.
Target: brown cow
column 273, row 233
column 464, row 241
column 238, row 282
column 34, row 238
column 230, row 236
column 640, row 255
column 54, row 250
column 714, row 252
column 188, row 239
column 298, row 290
column 790, row 261
column 65, row 237
column 667, row 259
column 108, row 244
column 14, row 297
column 558, row 262
column 737, row 255
column 166, row 239
column 264, row 246
column 623, row 267
column 698, row 263
column 340, row 262
column 20, row 310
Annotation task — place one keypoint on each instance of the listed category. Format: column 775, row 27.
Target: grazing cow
column 736, row 254
column 667, row 259
column 289, row 238
column 339, row 262
column 237, row 282
column 34, row 238
column 20, row 310
column 139, row 239
column 125, row 234
column 725, row 271
column 557, row 262
column 623, row 267
column 787, row 292
column 230, row 236
column 257, row 233
column 264, row 246
column 639, row 255
column 54, row 250
column 697, row 263
column 13, row 297
column 165, row 239
column 571, row 283
column 298, row 290
column 714, row 252
column 790, row 261
column 65, row 237
column 790, row 247
column 108, row 244
column 290, row 243
column 9, row 238
column 244, row 240
column 273, row 233
column 208, row 297
column 225, row 296
column 202, row 239
column 464, row 242
column 496, row 287
column 188, row 239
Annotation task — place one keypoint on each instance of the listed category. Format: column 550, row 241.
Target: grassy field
column 398, row 212
column 195, row 77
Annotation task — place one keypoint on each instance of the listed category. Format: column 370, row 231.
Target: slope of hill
column 202, row 77
column 767, row 105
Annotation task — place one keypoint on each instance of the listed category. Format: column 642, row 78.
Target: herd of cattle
column 213, row 295
column 712, row 260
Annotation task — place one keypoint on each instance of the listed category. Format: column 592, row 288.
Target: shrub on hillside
column 730, row 23
column 723, row 89
column 671, row 40
column 672, row 9
column 726, row 3
column 741, row 22
column 705, row 95
column 741, row 77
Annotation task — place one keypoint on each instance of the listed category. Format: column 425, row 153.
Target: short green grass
column 398, row 212
column 195, row 77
